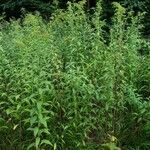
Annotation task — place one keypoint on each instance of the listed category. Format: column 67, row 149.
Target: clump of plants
column 62, row 86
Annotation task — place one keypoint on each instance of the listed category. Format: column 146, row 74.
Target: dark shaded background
column 12, row 8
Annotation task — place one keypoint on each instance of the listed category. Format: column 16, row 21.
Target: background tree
column 12, row 8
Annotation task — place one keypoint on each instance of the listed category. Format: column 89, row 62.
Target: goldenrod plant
column 63, row 87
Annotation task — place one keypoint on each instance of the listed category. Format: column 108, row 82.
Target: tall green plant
column 63, row 87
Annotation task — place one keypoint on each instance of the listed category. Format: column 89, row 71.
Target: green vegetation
column 63, row 86
column 13, row 8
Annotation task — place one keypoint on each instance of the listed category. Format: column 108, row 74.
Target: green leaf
column 55, row 146
column 47, row 142
column 36, row 130
column 39, row 106
column 2, row 120
column 18, row 106
column 30, row 146
column 33, row 120
column 37, row 142
column 44, row 131
column 44, row 123
column 42, row 120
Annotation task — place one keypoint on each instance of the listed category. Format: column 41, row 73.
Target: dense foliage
column 63, row 87
column 13, row 8
column 132, row 5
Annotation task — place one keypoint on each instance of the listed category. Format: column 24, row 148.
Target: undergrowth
column 63, row 87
